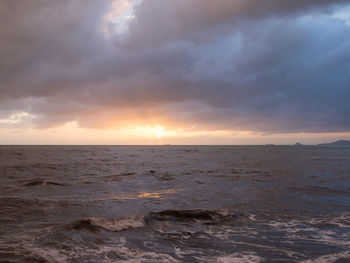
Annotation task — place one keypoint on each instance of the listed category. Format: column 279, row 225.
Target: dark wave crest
column 40, row 182
column 204, row 216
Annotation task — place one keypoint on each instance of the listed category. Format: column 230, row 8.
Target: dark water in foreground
column 174, row 204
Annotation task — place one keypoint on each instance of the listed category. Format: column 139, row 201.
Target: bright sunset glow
column 162, row 132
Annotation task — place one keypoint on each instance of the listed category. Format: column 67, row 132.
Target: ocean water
column 174, row 204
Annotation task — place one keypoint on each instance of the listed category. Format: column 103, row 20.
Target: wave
column 319, row 190
column 109, row 224
column 204, row 216
column 40, row 182
column 166, row 217
column 25, row 167
column 342, row 221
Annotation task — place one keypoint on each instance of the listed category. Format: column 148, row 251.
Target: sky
column 174, row 71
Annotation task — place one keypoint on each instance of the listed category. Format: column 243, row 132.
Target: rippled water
column 174, row 204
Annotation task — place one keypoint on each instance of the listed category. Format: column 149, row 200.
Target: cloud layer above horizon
column 246, row 65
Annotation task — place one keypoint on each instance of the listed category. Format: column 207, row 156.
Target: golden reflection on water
column 155, row 195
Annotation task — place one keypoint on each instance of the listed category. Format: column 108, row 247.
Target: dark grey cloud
column 268, row 65
column 159, row 21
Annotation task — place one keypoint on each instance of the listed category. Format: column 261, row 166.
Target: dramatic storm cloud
column 255, row 65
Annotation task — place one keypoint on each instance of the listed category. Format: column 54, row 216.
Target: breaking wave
column 166, row 217
column 109, row 224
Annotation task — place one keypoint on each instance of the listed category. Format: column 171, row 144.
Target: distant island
column 337, row 143
column 298, row 144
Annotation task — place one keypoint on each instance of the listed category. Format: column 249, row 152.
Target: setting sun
column 160, row 132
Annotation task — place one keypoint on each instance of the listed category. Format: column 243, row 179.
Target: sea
column 223, row 204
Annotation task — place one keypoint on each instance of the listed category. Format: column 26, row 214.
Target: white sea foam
column 50, row 255
column 342, row 221
column 134, row 255
column 181, row 253
column 120, row 252
column 246, row 257
column 329, row 258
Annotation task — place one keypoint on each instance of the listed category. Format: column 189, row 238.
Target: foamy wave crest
column 115, row 225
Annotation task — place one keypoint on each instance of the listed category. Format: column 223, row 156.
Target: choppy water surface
column 174, row 204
